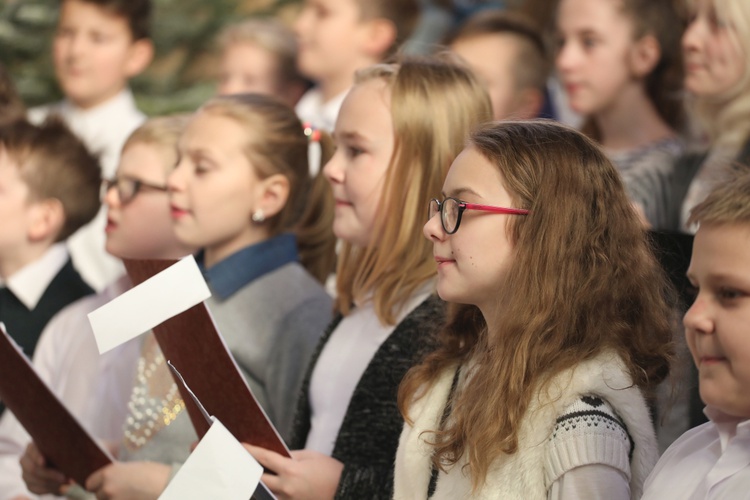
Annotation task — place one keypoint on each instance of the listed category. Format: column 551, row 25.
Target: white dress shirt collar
column 321, row 114
column 30, row 282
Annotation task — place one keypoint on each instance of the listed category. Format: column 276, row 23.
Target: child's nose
column 698, row 317
column 109, row 195
column 566, row 57
column 433, row 229
column 175, row 179
column 334, row 170
column 691, row 36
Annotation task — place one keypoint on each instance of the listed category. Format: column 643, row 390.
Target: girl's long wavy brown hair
column 583, row 281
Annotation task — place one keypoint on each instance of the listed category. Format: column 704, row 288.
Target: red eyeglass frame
column 462, row 206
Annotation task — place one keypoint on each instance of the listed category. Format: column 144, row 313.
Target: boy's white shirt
column 321, row 114
column 30, row 282
column 708, row 461
column 104, row 130
column 67, row 359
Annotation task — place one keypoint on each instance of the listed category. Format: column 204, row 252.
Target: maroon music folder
column 192, row 342
column 57, row 433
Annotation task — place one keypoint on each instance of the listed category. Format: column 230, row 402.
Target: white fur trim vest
column 527, row 474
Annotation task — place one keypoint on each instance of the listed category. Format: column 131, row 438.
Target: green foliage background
column 180, row 77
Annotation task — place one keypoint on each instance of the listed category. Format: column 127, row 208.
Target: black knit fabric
column 368, row 438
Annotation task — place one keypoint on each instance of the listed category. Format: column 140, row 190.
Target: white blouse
column 346, row 355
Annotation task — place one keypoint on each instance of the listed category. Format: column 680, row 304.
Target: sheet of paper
column 172, row 291
column 219, row 467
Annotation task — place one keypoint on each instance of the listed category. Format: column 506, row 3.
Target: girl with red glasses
column 557, row 335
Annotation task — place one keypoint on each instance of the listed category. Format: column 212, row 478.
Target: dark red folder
column 191, row 341
column 56, row 432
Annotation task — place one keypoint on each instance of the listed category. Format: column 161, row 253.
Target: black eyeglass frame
column 127, row 195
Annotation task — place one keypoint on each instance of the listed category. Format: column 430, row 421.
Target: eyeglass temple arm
column 499, row 210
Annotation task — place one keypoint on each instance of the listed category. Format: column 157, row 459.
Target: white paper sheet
column 219, row 467
column 172, row 291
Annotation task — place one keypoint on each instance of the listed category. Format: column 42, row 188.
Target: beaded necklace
column 155, row 401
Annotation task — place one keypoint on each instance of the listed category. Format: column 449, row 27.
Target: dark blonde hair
column 277, row 144
column 435, row 102
column 729, row 203
column 583, row 281
column 55, row 164
column 162, row 132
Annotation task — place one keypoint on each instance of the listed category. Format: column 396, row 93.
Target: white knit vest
column 528, row 473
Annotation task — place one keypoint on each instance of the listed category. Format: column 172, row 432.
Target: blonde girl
column 239, row 191
column 716, row 47
column 96, row 388
column 399, row 128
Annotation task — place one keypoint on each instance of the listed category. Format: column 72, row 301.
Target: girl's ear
column 273, row 195
column 46, row 220
column 644, row 56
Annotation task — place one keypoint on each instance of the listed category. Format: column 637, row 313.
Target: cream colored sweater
column 528, row 474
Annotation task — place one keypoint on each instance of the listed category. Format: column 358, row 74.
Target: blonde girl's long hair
column 277, row 144
column 435, row 102
column 583, row 281
column 726, row 117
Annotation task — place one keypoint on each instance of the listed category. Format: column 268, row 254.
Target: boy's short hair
column 404, row 15
column 729, row 203
column 532, row 69
column 55, row 164
column 137, row 13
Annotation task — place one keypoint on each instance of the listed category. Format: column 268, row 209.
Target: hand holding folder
column 236, row 474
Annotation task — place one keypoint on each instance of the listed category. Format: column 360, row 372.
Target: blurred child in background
column 619, row 62
column 338, row 37
column 98, row 46
column 260, row 56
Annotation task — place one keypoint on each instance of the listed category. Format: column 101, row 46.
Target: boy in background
column 506, row 52
column 711, row 460
column 49, row 187
column 99, row 45
column 338, row 37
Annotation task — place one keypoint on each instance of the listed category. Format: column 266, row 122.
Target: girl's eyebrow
column 349, row 136
column 459, row 191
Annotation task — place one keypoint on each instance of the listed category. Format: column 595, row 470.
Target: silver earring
column 258, row 216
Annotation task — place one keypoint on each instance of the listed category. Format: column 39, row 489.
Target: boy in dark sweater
column 49, row 187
